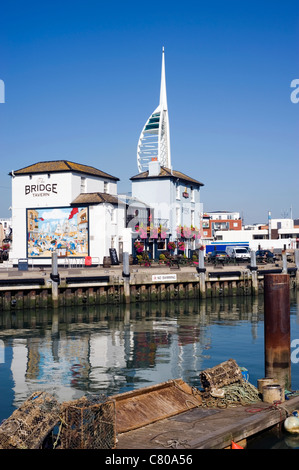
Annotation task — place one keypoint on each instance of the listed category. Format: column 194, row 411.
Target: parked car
column 265, row 255
column 238, row 253
column 218, row 256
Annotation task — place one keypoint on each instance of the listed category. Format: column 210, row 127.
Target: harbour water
column 113, row 349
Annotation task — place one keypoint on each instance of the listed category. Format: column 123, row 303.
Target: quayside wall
column 33, row 290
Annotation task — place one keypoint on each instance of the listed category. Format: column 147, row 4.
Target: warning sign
column 163, row 277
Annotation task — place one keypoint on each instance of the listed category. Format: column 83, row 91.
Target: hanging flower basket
column 171, row 246
column 139, row 246
column 181, row 246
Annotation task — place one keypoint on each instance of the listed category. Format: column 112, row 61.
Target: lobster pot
column 88, row 423
column 29, row 425
column 226, row 373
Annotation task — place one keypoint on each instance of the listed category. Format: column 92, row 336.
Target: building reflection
column 111, row 349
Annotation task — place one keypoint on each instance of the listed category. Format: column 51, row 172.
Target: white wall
column 224, row 215
column 282, row 223
column 106, row 221
column 161, row 195
column 247, row 236
column 93, row 185
column 59, row 190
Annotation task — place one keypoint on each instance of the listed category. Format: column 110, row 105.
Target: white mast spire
column 163, row 97
column 154, row 139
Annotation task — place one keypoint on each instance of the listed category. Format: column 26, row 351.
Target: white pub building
column 68, row 207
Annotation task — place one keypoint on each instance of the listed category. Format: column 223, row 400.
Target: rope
column 62, row 422
column 277, row 405
column 236, row 394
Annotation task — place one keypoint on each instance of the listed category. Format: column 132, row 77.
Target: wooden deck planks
column 203, row 428
column 144, row 406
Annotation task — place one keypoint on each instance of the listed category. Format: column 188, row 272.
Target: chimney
column 154, row 167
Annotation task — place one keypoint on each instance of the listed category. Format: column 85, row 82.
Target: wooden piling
column 277, row 328
column 54, row 278
column 126, row 276
column 296, row 257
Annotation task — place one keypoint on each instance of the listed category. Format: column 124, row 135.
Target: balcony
column 145, row 228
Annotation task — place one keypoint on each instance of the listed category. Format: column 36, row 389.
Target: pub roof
column 167, row 173
column 58, row 166
column 96, row 198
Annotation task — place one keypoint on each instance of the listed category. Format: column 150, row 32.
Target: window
column 83, row 185
column 178, row 215
column 161, row 245
column 220, row 225
column 178, row 195
column 106, row 186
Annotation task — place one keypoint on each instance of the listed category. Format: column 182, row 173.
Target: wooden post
column 202, row 273
column 277, row 328
column 284, row 262
column 253, row 269
column 55, row 279
column 126, row 276
column 55, row 323
column 296, row 256
column 127, row 315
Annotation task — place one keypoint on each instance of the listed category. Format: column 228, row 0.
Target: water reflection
column 111, row 349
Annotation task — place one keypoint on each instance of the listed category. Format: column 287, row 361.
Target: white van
column 238, row 252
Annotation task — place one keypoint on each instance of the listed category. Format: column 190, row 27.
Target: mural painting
column 64, row 229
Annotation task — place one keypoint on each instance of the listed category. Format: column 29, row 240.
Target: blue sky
column 81, row 78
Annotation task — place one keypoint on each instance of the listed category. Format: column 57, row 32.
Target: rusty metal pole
column 277, row 328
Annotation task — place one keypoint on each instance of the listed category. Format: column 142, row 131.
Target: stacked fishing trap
column 41, row 422
column 224, row 386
